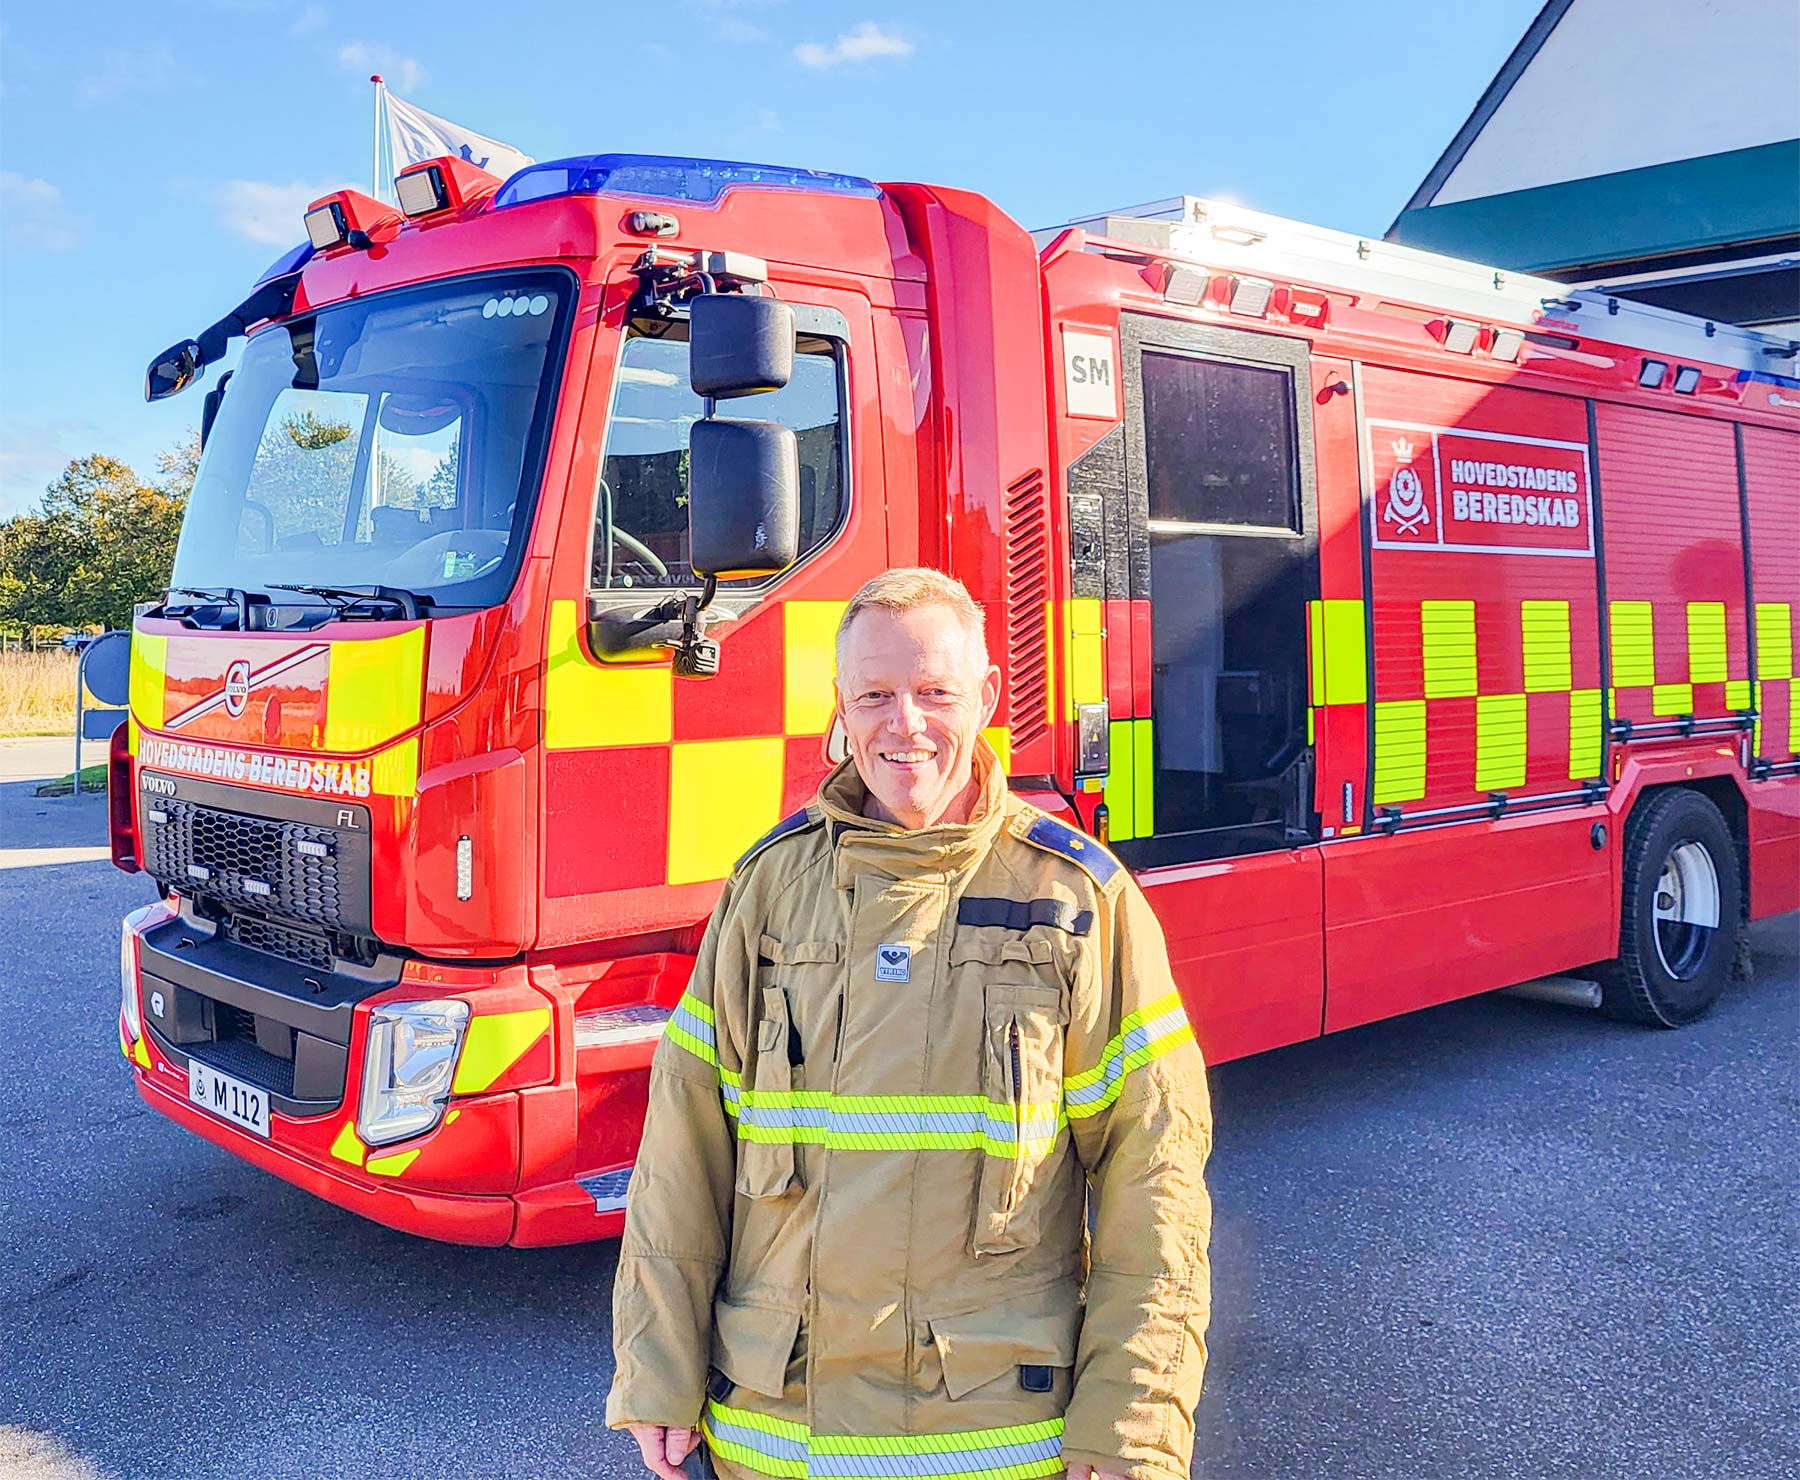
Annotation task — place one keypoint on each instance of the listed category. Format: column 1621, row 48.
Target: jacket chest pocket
column 766, row 1125
column 1022, row 1055
column 770, row 1121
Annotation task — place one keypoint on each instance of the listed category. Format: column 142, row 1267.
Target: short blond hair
column 910, row 587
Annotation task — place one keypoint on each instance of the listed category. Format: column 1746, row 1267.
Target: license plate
column 228, row 1098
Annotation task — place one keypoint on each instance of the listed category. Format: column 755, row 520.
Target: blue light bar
column 291, row 260
column 665, row 177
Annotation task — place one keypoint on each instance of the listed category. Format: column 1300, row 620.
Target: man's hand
column 663, row 1449
column 1088, row 1472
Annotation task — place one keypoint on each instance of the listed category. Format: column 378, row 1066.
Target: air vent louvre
column 1027, row 600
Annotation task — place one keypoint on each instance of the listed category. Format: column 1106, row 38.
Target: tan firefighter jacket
column 854, row 1244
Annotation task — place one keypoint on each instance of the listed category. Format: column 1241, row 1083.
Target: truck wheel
column 1679, row 926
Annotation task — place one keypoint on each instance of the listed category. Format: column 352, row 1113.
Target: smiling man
column 928, row 1024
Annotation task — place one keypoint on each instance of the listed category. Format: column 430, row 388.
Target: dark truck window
column 1220, row 443
column 640, row 509
column 1228, row 588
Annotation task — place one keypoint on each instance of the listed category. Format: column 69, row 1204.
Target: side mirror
column 175, row 369
column 743, row 498
column 738, row 345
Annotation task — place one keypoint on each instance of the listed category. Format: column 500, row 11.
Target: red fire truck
column 1410, row 629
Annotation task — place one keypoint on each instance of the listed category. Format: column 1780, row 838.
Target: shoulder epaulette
column 798, row 822
column 1056, row 836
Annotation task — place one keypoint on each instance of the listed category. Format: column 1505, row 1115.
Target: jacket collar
column 944, row 851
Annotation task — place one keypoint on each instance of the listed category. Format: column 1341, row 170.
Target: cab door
column 1223, row 523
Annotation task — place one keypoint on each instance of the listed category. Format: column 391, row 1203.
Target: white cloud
column 120, row 71
column 863, row 42
column 310, row 19
column 727, row 20
column 33, row 214
column 402, row 73
column 269, row 213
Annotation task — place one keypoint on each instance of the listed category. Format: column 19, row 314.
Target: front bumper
column 450, row 1217
column 534, row 1146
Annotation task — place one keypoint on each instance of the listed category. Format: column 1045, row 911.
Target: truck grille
column 279, row 940
column 282, row 867
column 242, row 1059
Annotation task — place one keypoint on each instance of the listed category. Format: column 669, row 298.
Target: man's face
column 913, row 697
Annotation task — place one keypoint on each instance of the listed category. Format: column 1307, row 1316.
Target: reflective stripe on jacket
column 854, row 1242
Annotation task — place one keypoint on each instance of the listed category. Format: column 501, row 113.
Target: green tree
column 103, row 541
column 180, row 465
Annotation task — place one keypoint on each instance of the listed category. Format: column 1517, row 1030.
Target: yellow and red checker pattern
column 1673, row 525
column 654, row 780
column 1487, row 665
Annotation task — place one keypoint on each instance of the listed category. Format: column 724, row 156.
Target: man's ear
column 990, row 695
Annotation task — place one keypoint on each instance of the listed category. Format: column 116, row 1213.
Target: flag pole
column 375, row 164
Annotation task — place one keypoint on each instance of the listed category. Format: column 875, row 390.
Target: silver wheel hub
column 1685, row 908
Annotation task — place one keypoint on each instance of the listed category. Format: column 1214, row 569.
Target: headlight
column 128, row 994
column 407, row 1065
column 134, row 924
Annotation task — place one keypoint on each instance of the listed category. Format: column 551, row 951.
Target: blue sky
column 155, row 159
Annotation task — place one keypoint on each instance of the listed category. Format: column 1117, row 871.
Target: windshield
column 392, row 441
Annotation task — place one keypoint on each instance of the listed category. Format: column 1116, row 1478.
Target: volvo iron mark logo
column 237, row 687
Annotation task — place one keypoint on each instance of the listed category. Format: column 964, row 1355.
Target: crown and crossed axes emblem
column 1406, row 492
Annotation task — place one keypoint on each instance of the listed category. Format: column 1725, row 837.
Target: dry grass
column 37, row 693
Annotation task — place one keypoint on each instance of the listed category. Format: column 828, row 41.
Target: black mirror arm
column 271, row 300
column 677, row 623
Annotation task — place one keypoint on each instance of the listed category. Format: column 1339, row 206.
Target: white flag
column 415, row 135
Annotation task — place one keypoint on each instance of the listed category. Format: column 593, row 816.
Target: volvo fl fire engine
column 1409, row 628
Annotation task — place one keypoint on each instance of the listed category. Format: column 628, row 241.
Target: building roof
column 1624, row 135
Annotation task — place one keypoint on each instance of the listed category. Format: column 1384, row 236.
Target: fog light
column 421, row 191
column 1250, row 296
column 1507, row 344
column 1459, row 336
column 325, row 226
column 407, row 1064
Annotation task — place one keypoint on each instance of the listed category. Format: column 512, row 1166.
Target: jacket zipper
column 1018, row 1099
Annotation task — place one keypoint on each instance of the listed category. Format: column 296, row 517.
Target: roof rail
column 1235, row 239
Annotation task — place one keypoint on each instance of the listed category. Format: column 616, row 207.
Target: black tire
column 1670, row 971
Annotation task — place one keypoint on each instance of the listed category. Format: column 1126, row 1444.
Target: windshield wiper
column 346, row 599
column 233, row 596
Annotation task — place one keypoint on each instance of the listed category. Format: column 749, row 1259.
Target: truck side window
column 640, row 507
column 1229, row 573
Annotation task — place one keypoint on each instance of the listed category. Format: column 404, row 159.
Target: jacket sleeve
column 1136, row 1096
column 678, row 1211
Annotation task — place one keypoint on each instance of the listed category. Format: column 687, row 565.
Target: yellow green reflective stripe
column 1499, row 742
column 1586, row 743
column 1672, row 698
column 1544, row 629
column 1149, row 1033
column 1340, row 653
column 803, row 1117
column 1399, row 750
column 781, row 1447
column 1774, row 640
column 1447, row 633
column 1706, row 641
column 1131, row 780
column 1633, row 630
column 691, row 1027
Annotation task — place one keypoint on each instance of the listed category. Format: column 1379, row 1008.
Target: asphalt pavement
column 1495, row 1239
